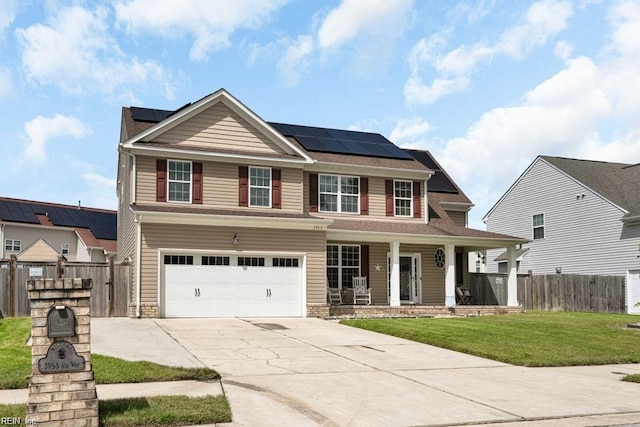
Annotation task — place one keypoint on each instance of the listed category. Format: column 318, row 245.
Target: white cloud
column 543, row 20
column 353, row 17
column 563, row 50
column 42, row 129
column 411, row 128
column 210, row 22
column 8, row 12
column 74, row 51
column 416, row 92
column 295, row 60
column 102, row 191
column 558, row 117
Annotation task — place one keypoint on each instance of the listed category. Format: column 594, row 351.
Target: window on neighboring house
column 12, row 245
column 343, row 264
column 339, row 193
column 538, row 226
column 403, row 198
column 260, row 187
column 179, row 174
column 65, row 249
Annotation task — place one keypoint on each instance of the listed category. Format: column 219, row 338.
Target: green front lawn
column 527, row 339
column 15, row 368
column 15, row 362
column 151, row 411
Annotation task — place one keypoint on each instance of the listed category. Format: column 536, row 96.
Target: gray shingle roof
column 617, row 182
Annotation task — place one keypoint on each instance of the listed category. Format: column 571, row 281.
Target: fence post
column 110, row 284
column 13, row 265
column 60, row 267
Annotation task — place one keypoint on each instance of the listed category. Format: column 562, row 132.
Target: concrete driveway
column 316, row 372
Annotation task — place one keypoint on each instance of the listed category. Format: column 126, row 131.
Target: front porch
column 410, row 310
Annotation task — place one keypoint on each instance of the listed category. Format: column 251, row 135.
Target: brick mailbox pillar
column 62, row 391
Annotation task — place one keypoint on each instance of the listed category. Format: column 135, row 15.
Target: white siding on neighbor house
column 54, row 236
column 581, row 235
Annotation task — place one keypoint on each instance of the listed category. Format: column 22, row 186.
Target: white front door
column 409, row 278
column 633, row 291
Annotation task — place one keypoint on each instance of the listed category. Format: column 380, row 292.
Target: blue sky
column 485, row 85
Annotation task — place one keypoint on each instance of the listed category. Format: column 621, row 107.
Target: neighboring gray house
column 582, row 217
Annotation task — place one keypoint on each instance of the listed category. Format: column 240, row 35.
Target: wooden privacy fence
column 553, row 292
column 109, row 296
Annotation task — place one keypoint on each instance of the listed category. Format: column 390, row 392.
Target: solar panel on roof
column 149, row 114
column 439, row 182
column 342, row 141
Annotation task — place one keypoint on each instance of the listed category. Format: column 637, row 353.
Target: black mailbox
column 61, row 322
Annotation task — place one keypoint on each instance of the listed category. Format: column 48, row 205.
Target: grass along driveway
column 527, row 339
column 15, row 369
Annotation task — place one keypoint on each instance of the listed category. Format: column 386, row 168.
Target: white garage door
column 232, row 286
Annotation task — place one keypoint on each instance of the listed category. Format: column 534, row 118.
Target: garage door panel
column 232, row 291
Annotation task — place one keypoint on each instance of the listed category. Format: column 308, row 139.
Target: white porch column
column 394, row 285
column 450, row 275
column 512, row 278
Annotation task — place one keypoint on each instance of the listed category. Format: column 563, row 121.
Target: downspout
column 138, row 269
column 2, row 241
column 426, row 202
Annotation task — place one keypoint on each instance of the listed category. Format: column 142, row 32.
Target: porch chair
column 335, row 296
column 463, row 296
column 361, row 293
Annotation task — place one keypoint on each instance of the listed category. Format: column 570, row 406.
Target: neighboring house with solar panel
column 42, row 231
column 223, row 214
column 581, row 216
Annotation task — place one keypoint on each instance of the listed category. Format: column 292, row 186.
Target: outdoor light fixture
column 234, row 239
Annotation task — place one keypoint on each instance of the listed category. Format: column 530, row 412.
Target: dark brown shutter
column 388, row 192
column 364, row 196
column 417, row 206
column 313, row 192
column 161, row 180
column 197, row 183
column 276, row 189
column 364, row 263
column 243, row 186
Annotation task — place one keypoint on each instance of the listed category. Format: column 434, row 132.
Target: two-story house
column 223, row 214
column 581, row 217
column 43, row 231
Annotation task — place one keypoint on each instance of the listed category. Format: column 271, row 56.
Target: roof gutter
column 371, row 236
column 629, row 219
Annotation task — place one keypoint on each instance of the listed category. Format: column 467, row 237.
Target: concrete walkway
column 310, row 372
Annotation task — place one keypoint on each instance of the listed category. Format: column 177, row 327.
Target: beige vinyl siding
column 187, row 237
column 378, row 280
column 39, row 251
column 219, row 127
column 126, row 221
column 432, row 277
column 220, row 185
column 458, row 218
column 377, row 201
